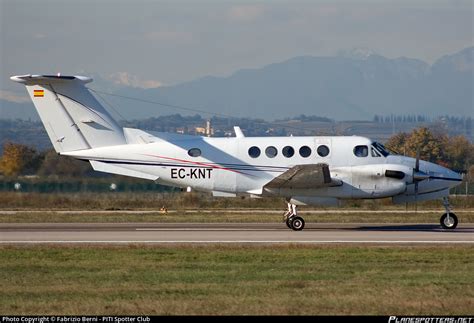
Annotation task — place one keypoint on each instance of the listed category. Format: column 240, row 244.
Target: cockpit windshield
column 380, row 148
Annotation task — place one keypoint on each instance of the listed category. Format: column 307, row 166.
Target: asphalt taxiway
column 258, row 233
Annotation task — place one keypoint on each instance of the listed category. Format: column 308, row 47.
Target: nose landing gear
column 291, row 218
column 449, row 220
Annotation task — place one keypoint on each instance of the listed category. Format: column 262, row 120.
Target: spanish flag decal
column 38, row 93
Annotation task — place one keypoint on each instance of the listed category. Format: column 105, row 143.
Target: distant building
column 209, row 129
column 200, row 130
column 206, row 131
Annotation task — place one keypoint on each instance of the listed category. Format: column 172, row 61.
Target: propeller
column 418, row 176
column 430, row 172
column 416, row 171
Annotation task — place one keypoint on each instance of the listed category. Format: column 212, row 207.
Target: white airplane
column 304, row 170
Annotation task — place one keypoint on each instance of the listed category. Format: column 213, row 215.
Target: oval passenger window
column 194, row 152
column 305, row 151
column 254, row 152
column 288, row 151
column 271, row 152
column 323, row 150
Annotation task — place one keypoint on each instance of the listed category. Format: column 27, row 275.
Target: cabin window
column 361, row 151
column 194, row 152
column 254, row 152
column 271, row 152
column 323, row 150
column 288, row 151
column 305, row 151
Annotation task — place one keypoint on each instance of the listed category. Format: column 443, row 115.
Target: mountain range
column 341, row 87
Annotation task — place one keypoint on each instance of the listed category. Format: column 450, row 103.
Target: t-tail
column 73, row 118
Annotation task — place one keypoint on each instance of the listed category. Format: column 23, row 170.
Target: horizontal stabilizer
column 29, row 79
column 107, row 168
column 137, row 136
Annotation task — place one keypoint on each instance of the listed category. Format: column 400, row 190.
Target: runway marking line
column 239, row 241
column 202, row 229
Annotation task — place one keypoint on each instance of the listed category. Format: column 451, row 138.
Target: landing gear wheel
column 288, row 222
column 449, row 222
column 297, row 223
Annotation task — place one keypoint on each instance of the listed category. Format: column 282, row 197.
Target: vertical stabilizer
column 73, row 118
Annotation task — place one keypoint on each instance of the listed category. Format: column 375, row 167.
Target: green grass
column 182, row 201
column 216, row 279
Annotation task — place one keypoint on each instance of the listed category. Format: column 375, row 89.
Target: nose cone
column 442, row 176
column 430, row 177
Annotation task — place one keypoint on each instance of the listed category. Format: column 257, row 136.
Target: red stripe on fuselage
column 196, row 163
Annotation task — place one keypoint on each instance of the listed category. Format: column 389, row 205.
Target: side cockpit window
column 380, row 149
column 361, row 151
column 374, row 152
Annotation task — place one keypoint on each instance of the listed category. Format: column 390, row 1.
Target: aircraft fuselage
column 245, row 165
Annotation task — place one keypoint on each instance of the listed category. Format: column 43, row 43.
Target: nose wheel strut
column 449, row 220
column 291, row 218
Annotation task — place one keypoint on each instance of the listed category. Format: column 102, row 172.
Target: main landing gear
column 449, row 220
column 291, row 218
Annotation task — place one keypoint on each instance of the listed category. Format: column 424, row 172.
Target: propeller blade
column 417, row 163
column 416, row 197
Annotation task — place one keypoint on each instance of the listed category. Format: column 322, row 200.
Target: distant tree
column 453, row 152
column 397, row 143
column 18, row 159
column 54, row 164
column 459, row 153
column 432, row 148
column 470, row 174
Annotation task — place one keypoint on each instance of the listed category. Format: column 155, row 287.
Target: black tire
column 297, row 223
column 449, row 225
column 288, row 222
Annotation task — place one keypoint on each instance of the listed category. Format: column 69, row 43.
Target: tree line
column 455, row 152
column 19, row 159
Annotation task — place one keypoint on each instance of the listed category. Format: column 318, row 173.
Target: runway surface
column 258, row 233
column 213, row 211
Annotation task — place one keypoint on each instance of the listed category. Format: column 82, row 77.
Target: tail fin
column 72, row 116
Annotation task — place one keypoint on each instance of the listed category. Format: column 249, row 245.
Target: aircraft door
column 225, row 176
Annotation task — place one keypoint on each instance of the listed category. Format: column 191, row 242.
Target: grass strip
column 217, row 279
column 226, row 217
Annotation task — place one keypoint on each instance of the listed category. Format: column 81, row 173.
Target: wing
column 304, row 177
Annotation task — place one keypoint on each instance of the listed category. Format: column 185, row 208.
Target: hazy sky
column 152, row 43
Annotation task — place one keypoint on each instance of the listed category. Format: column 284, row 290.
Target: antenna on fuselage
column 238, row 132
